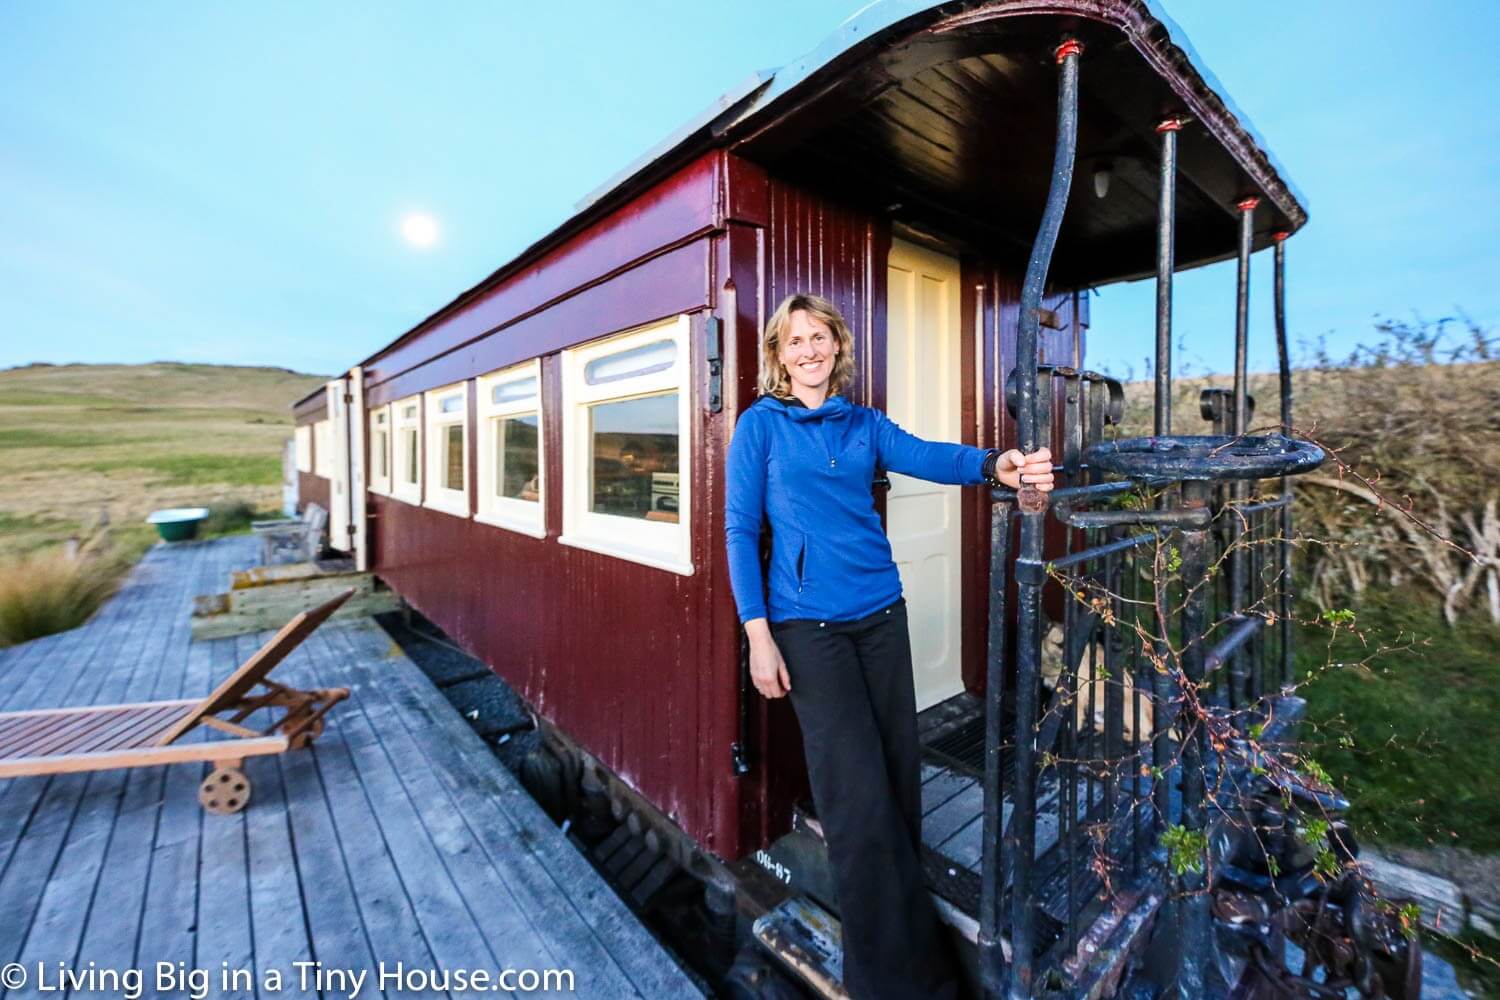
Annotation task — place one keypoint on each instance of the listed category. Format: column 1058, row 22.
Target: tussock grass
column 45, row 592
column 232, row 518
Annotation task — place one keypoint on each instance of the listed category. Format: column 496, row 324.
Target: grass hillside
column 123, row 440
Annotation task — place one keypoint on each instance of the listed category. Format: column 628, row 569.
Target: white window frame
column 650, row 543
column 380, row 424
column 438, row 496
column 304, row 439
column 529, row 517
column 323, row 448
column 400, row 423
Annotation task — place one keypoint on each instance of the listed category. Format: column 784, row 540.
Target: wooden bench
column 147, row 734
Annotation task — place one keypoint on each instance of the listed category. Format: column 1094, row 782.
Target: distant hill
column 123, row 440
column 160, row 383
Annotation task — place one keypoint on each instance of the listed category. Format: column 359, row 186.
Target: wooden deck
column 397, row 838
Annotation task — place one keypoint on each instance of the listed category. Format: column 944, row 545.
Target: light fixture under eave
column 1103, row 172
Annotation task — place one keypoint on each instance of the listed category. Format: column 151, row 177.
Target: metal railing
column 1130, row 660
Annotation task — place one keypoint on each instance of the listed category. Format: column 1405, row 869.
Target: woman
column 829, row 626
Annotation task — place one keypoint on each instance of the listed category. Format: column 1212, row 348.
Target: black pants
column 852, row 691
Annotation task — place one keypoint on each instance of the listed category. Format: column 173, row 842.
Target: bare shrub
column 1417, row 413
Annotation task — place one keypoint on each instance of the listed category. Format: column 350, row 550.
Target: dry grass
column 81, row 441
column 90, row 450
column 46, row 592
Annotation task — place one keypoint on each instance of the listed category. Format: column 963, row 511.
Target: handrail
column 1019, row 844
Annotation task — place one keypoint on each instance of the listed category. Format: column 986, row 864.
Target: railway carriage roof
column 848, row 102
column 874, row 18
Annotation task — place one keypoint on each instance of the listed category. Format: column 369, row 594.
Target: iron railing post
column 1284, row 549
column 1240, row 695
column 1166, row 264
column 992, row 867
column 1166, row 252
column 1197, row 928
column 1030, row 567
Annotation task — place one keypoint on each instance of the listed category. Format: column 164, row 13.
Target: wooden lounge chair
column 104, row 737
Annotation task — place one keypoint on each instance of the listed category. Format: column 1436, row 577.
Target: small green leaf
column 1186, row 849
column 1411, row 920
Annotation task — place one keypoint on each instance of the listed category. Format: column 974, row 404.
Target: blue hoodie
column 809, row 473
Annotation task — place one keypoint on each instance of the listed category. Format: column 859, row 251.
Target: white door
column 338, row 473
column 922, row 518
column 358, row 422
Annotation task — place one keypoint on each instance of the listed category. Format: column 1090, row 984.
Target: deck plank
column 434, row 895
column 334, row 922
column 560, row 878
column 278, row 918
column 109, row 940
column 398, row 837
column 390, row 921
column 499, row 915
column 54, row 923
column 942, row 787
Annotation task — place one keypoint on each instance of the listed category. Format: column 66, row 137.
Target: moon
column 419, row 229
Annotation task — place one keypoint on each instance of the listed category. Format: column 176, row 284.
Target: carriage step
column 805, row 938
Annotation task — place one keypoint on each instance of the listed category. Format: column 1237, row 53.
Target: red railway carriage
column 538, row 466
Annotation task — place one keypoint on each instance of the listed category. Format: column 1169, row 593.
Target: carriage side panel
column 623, row 658
column 312, row 488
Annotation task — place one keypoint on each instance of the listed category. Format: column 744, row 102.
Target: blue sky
column 225, row 183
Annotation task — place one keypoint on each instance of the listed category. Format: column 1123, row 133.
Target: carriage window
column 510, row 450
column 516, row 390
column 518, row 451
column 447, row 450
column 380, row 450
column 633, row 459
column 406, row 451
column 303, row 436
column 644, row 360
column 625, row 446
column 323, row 449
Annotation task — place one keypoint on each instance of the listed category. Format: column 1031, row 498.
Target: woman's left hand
column 1015, row 469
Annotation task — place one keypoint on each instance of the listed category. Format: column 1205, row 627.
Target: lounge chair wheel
column 224, row 792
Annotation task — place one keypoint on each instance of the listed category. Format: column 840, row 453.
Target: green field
column 123, row 440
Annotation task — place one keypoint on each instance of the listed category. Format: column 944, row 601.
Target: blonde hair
column 774, row 380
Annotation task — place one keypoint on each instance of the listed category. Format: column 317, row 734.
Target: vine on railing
column 1276, row 831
